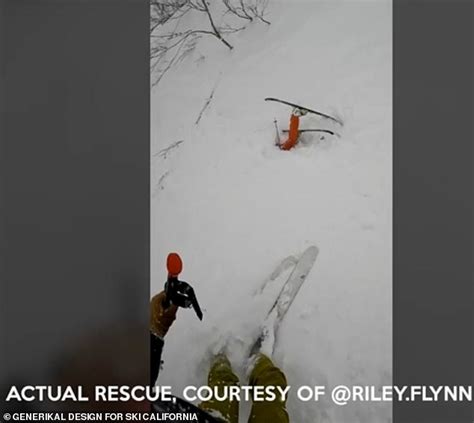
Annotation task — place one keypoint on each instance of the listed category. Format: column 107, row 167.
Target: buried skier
column 293, row 131
column 263, row 372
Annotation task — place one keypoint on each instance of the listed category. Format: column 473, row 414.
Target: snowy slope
column 234, row 206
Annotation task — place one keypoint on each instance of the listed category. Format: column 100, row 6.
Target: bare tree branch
column 160, row 185
column 172, row 39
column 165, row 151
column 206, row 104
column 213, row 25
column 247, row 9
column 237, row 11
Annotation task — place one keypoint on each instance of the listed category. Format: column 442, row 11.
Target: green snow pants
column 264, row 373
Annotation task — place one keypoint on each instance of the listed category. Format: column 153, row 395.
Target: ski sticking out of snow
column 285, row 264
column 266, row 340
column 324, row 115
column 326, row 131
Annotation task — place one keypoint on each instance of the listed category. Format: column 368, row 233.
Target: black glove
column 181, row 294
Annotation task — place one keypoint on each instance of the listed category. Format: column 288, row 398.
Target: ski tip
column 313, row 250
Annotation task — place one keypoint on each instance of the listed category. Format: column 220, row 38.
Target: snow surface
column 234, row 206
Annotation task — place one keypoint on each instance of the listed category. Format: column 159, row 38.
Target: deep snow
column 233, row 205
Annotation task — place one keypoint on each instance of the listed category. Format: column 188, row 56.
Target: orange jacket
column 292, row 134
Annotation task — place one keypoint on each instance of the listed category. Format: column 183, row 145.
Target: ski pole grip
column 168, row 294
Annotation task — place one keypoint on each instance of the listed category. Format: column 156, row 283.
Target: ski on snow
column 285, row 264
column 285, row 298
column 324, row 115
column 326, row 131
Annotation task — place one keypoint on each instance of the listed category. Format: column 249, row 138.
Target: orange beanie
column 174, row 264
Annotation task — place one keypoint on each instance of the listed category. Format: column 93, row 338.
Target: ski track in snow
column 234, row 206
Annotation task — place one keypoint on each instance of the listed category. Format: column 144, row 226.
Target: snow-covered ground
column 233, row 205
